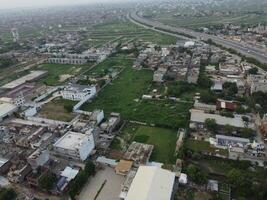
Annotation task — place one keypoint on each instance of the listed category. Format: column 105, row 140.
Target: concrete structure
column 123, row 167
column 223, row 140
column 139, row 153
column 111, row 123
column 6, row 110
column 151, row 183
column 198, row 118
column 4, row 165
column 228, row 105
column 202, row 106
column 38, row 158
column 34, row 75
column 259, row 86
column 77, row 61
column 75, row 145
column 78, row 92
column 106, row 161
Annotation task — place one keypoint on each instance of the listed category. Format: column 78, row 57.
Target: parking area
column 106, row 182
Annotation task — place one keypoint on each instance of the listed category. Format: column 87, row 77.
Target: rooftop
column 33, row 75
column 3, row 161
column 5, row 108
column 237, row 139
column 151, row 183
column 200, row 116
column 71, row 140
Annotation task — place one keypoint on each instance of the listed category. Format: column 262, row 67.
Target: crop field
column 126, row 31
column 163, row 139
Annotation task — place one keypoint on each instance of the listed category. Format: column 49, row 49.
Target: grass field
column 163, row 139
column 108, row 65
column 123, row 96
column 55, row 71
column 56, row 110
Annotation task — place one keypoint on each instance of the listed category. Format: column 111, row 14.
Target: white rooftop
column 71, row 140
column 6, row 108
column 200, row 116
column 24, row 79
column 69, row 173
column 3, row 161
column 151, row 183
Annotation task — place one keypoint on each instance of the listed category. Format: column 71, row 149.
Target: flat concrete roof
column 6, row 108
column 71, row 140
column 200, row 116
column 33, row 75
column 151, row 183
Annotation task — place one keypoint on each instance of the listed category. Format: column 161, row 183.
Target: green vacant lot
column 123, row 96
column 109, row 65
column 56, row 72
column 163, row 139
column 58, row 109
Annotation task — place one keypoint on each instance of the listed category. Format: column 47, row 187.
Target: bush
column 46, row 181
column 7, row 194
column 196, row 175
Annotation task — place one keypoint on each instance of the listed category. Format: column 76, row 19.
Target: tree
column 207, row 97
column 90, row 167
column 196, row 175
column 7, row 194
column 228, row 129
column 236, row 177
column 46, row 181
column 253, row 70
column 211, row 125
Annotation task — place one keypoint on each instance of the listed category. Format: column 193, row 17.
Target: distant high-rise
column 15, row 34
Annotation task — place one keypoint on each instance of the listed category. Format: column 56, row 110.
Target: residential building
column 75, row 145
column 38, row 158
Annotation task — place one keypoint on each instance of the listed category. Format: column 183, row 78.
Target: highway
column 247, row 50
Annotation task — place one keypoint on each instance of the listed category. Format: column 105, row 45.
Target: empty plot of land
column 58, row 109
column 164, row 141
column 106, row 182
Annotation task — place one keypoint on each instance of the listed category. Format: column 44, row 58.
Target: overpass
column 244, row 49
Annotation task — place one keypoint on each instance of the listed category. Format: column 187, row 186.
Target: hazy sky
column 4, row 4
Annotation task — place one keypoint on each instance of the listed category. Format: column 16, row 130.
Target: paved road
column 245, row 49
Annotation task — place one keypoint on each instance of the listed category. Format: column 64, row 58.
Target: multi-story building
column 78, row 92
column 75, row 145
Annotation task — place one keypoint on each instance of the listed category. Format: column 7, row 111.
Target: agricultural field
column 123, row 95
column 123, row 31
column 163, row 139
column 60, row 73
column 58, row 109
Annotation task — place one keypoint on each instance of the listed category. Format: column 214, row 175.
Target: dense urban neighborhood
column 153, row 100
